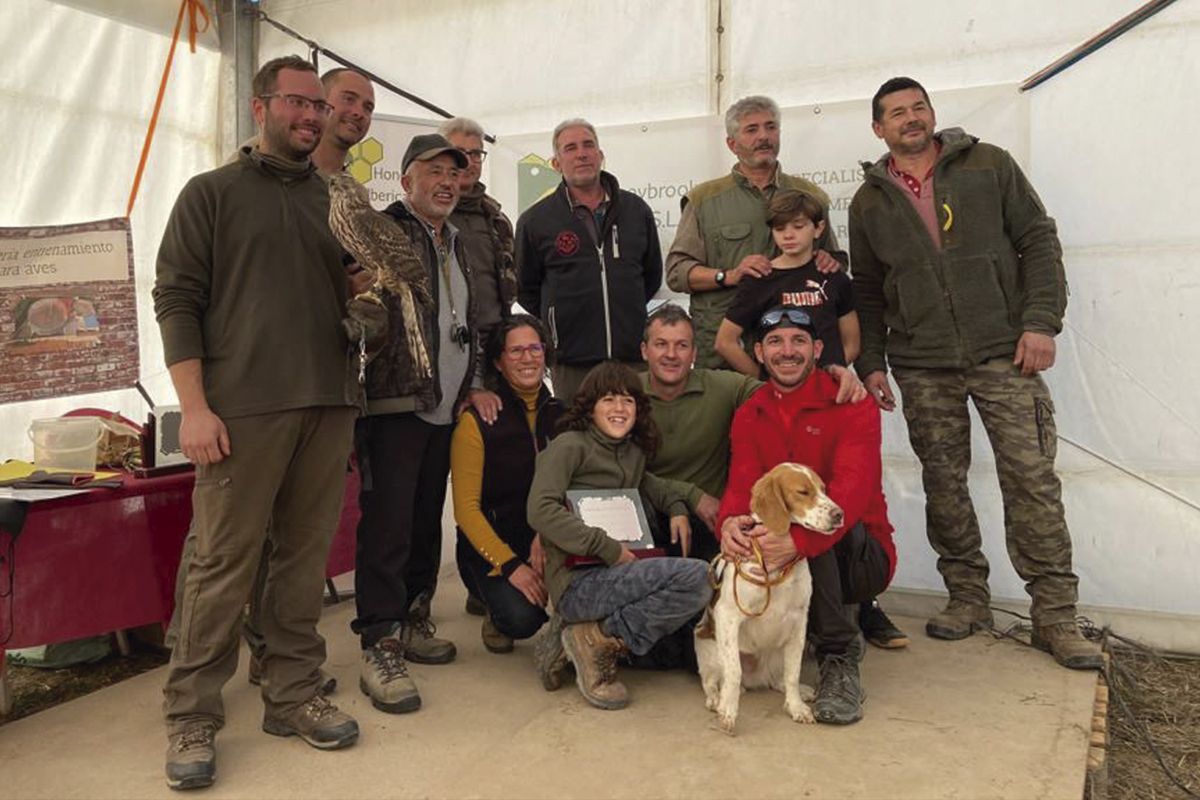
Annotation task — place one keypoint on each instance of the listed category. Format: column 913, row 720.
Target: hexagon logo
column 362, row 157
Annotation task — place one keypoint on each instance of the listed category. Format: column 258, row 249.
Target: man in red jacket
column 795, row 418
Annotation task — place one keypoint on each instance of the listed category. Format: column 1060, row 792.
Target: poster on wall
column 68, row 311
column 375, row 161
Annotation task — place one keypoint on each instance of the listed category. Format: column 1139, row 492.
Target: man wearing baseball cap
column 795, row 418
column 403, row 441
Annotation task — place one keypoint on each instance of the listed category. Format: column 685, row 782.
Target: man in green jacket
column 723, row 235
column 248, row 276
column 960, row 289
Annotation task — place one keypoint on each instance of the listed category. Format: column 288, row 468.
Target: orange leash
column 766, row 582
column 193, row 8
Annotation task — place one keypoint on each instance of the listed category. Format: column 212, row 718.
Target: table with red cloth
column 106, row 560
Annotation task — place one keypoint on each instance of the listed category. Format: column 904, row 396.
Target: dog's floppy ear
column 766, row 501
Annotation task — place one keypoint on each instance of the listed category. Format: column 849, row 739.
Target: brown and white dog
column 753, row 633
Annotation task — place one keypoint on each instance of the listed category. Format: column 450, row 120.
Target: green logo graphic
column 535, row 179
column 363, row 156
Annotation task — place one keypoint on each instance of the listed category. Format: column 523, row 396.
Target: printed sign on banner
column 375, row 161
column 68, row 314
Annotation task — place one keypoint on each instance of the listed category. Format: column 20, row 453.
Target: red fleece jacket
column 806, row 426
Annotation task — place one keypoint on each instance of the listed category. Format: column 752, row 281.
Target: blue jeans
column 639, row 603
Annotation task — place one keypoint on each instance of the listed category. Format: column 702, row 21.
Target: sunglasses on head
column 778, row 315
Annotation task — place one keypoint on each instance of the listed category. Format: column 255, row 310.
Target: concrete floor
column 981, row 718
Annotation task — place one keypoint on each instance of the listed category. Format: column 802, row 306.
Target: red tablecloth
column 106, row 560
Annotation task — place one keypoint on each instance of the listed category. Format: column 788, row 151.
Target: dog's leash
column 766, row 582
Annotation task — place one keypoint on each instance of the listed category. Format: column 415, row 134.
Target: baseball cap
column 431, row 145
column 784, row 316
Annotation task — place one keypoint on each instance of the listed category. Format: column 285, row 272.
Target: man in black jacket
column 589, row 260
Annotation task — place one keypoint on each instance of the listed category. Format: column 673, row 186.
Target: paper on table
column 617, row 516
column 23, row 469
column 37, row 495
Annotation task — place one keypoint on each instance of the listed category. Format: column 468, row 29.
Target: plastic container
column 65, row 442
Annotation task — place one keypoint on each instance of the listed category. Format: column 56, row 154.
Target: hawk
column 383, row 248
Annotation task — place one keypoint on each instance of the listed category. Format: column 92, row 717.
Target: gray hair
column 575, row 122
column 463, row 125
column 747, row 105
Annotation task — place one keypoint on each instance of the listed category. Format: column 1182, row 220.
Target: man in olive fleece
column 248, row 273
column 960, row 289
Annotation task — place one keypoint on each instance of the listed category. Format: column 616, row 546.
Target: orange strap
column 193, row 8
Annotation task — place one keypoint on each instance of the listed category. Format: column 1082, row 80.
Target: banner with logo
column 375, row 161
column 68, row 311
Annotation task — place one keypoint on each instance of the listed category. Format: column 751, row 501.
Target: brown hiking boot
column 493, row 639
column 595, row 658
column 192, row 756
column 421, row 645
column 549, row 658
column 1063, row 641
column 318, row 722
column 384, row 678
column 958, row 620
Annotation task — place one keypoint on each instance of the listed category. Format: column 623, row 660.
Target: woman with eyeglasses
column 499, row 556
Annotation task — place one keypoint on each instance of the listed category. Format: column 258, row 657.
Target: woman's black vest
column 510, row 451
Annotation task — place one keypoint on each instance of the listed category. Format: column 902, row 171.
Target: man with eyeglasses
column 588, row 261
column 248, row 274
column 403, row 443
column 796, row 418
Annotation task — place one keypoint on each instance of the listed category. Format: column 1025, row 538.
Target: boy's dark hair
column 330, row 77
column 612, row 377
column 667, row 314
column 494, row 346
column 789, row 204
column 894, row 85
column 268, row 74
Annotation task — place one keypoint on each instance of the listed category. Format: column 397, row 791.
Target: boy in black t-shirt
column 797, row 220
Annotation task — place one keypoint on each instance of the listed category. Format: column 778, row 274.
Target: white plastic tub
column 65, row 442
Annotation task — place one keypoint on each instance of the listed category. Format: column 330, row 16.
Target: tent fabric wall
column 78, row 90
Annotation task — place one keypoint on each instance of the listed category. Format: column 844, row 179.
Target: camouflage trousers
column 1018, row 415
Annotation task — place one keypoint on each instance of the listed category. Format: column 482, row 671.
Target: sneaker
column 1063, row 641
column 383, row 677
column 549, row 658
column 327, row 687
column 475, row 606
column 839, row 695
column 318, row 722
column 192, row 757
column 958, row 620
column 493, row 639
column 595, row 658
column 878, row 629
column 421, row 645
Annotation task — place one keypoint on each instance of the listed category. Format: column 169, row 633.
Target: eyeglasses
column 778, row 315
column 477, row 155
column 299, row 102
column 517, row 351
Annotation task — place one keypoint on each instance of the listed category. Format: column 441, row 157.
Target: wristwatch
column 719, row 278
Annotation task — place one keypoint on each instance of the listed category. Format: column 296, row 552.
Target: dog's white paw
column 800, row 712
column 726, row 723
column 710, row 702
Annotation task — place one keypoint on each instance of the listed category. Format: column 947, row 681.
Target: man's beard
column 808, row 370
column 278, row 140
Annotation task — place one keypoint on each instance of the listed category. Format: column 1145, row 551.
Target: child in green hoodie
column 627, row 604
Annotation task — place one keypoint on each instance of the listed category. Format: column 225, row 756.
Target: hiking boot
column 595, row 658
column 958, row 620
column 878, row 629
column 549, row 658
column 421, row 646
column 383, row 677
column 191, row 756
column 475, row 606
column 493, row 639
column 839, row 695
column 1063, row 641
column 327, row 687
column 318, row 722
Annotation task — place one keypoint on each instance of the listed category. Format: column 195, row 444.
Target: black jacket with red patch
column 591, row 296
